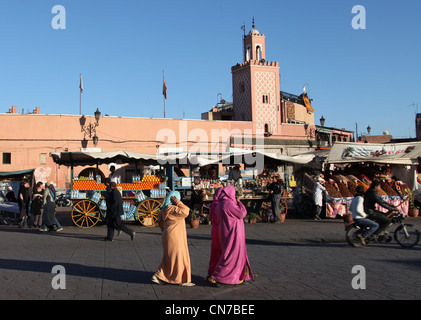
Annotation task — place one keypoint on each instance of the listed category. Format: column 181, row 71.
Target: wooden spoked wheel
column 267, row 207
column 206, row 208
column 147, row 212
column 284, row 207
column 85, row 214
column 264, row 211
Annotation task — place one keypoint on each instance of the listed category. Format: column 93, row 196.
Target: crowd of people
column 228, row 264
column 37, row 209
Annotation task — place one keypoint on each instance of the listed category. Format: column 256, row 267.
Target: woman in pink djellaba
column 229, row 263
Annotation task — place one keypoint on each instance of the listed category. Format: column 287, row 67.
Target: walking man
column 114, row 212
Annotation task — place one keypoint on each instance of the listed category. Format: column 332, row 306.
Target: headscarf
column 167, row 200
column 228, row 193
column 52, row 190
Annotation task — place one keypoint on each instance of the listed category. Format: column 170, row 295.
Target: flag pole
column 80, row 94
column 163, row 75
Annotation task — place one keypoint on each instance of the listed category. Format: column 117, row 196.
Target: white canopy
column 249, row 157
column 397, row 153
column 245, row 156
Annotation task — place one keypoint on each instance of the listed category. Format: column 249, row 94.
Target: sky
column 356, row 77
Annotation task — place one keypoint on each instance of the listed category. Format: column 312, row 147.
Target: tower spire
column 253, row 26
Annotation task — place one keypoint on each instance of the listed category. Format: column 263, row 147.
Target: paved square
column 299, row 260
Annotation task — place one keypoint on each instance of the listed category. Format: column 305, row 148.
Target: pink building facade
column 28, row 139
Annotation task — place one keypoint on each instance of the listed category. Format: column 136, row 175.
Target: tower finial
column 253, row 26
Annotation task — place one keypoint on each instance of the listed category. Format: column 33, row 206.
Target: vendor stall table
column 260, row 205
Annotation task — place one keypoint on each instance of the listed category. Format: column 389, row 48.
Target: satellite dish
column 385, row 132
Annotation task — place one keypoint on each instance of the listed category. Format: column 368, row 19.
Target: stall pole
column 71, row 176
column 170, row 175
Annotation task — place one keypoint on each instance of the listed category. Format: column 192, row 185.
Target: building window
column 242, row 87
column 258, row 53
column 42, row 158
column 265, row 98
column 7, row 158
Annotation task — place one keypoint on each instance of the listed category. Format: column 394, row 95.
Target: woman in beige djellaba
column 175, row 267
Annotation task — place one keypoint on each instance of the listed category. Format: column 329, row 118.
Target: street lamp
column 322, row 121
column 97, row 115
column 368, row 129
column 90, row 129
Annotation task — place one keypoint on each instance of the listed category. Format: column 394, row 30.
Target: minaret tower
column 255, row 85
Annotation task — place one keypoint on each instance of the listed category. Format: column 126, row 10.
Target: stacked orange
column 148, row 182
column 151, row 178
column 128, row 186
column 87, row 185
column 139, row 186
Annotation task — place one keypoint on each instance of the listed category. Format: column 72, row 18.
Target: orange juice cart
column 142, row 198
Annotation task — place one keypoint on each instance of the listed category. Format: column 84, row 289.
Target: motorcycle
column 63, row 201
column 405, row 234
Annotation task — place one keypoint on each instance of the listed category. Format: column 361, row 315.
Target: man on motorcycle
column 359, row 216
column 370, row 199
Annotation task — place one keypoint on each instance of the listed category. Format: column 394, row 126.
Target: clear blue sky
column 369, row 77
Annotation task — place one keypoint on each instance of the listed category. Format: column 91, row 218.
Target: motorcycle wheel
column 351, row 236
column 407, row 236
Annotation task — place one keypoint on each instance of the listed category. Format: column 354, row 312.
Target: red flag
column 164, row 89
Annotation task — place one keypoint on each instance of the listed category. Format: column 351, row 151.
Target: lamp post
column 322, row 121
column 90, row 129
column 97, row 115
column 368, row 130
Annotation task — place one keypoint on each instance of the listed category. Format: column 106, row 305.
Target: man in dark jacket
column 275, row 191
column 114, row 211
column 23, row 203
column 370, row 199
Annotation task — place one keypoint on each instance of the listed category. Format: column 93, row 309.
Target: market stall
column 142, row 198
column 351, row 164
column 259, row 167
column 13, row 179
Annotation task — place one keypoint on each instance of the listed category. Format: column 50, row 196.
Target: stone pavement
column 297, row 260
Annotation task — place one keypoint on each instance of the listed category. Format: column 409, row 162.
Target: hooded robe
column 233, row 265
column 175, row 266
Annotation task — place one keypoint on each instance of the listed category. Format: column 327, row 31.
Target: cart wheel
column 267, row 206
column 206, row 207
column 203, row 215
column 147, row 212
column 85, row 214
column 284, row 207
column 264, row 210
